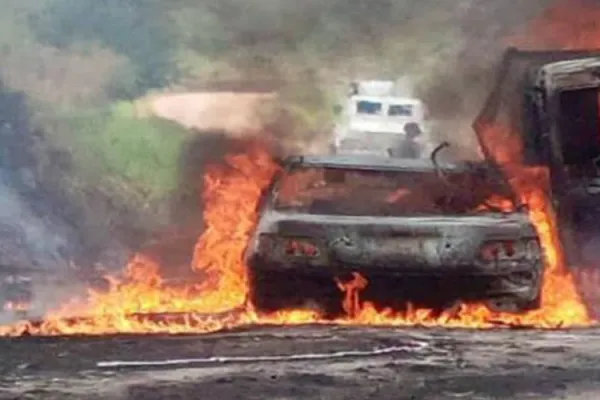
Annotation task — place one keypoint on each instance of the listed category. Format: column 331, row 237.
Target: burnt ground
column 308, row 362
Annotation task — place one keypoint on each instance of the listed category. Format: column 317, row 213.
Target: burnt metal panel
column 519, row 81
column 431, row 244
column 370, row 163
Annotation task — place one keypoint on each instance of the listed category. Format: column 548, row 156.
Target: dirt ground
column 315, row 362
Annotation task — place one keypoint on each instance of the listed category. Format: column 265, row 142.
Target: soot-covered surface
column 308, row 362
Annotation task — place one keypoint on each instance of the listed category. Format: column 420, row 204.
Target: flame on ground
column 219, row 299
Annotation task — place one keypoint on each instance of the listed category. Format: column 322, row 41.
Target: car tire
column 271, row 291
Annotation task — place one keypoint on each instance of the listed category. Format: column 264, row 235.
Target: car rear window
column 338, row 191
column 400, row 110
column 368, row 107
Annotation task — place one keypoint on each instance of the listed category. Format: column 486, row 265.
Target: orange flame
column 568, row 25
column 498, row 202
column 219, row 299
column 352, row 288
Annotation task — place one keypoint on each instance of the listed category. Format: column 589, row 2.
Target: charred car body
column 422, row 232
column 549, row 101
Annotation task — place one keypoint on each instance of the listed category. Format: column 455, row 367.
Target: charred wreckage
column 432, row 233
column 418, row 230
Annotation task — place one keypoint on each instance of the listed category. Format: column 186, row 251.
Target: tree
column 138, row 29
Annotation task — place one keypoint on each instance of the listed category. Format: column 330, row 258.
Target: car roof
column 370, row 162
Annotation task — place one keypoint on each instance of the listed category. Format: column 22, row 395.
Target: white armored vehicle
column 374, row 120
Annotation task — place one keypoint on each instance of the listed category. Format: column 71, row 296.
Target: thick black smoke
column 485, row 26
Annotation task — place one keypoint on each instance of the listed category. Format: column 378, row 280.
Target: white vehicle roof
column 375, row 87
column 394, row 99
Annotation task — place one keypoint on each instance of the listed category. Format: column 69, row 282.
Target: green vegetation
column 112, row 146
column 137, row 29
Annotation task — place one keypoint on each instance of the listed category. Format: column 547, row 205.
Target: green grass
column 112, row 146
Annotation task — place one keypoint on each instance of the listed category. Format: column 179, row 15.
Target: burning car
column 431, row 233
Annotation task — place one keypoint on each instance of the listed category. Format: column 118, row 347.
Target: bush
column 113, row 147
column 138, row 29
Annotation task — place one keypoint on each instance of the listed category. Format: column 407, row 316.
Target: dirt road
column 307, row 362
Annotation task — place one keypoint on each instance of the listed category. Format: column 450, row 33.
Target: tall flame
column 219, row 299
column 567, row 25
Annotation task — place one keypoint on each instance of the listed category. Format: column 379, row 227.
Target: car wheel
column 271, row 291
column 266, row 291
column 513, row 305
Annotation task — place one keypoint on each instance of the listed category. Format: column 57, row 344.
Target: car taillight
column 510, row 250
column 500, row 250
column 266, row 244
column 300, row 248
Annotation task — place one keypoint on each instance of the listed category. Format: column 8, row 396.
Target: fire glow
column 219, row 299
column 567, row 25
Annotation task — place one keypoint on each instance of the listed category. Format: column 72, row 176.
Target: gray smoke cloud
column 445, row 53
column 456, row 87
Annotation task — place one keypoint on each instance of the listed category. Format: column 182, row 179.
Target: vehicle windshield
column 400, row 110
column 319, row 190
column 368, row 107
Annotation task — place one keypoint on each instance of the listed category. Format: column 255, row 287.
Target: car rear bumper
column 521, row 280
column 473, row 256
